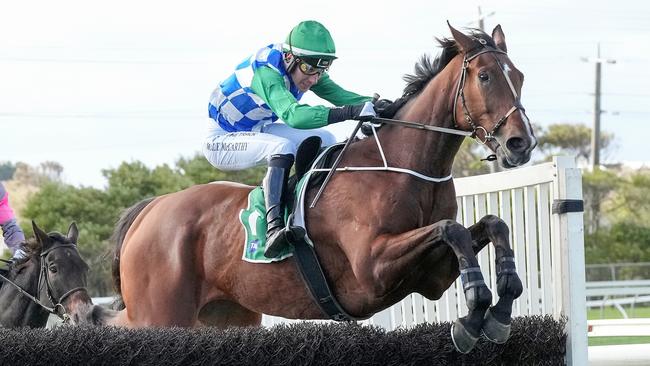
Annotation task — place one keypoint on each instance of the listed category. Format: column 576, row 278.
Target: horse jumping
column 380, row 235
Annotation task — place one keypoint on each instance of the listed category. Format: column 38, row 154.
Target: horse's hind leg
column 490, row 228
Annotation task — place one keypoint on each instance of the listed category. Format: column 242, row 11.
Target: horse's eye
column 483, row 76
column 53, row 268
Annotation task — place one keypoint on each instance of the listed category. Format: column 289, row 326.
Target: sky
column 91, row 84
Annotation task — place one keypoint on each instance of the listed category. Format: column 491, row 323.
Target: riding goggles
column 309, row 69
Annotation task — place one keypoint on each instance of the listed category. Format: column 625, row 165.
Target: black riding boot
column 274, row 184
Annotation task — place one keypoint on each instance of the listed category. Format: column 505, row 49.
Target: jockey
column 266, row 87
column 13, row 234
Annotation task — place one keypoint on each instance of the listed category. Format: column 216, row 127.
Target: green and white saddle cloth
column 253, row 218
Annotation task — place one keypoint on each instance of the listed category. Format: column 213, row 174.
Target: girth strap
column 312, row 274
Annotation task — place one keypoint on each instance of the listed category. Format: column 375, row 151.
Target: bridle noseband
column 460, row 93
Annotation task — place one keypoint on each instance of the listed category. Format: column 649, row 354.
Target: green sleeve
column 269, row 85
column 327, row 89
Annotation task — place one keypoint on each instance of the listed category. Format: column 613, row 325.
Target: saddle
column 252, row 217
column 307, row 152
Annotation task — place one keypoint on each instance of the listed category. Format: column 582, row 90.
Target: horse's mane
column 425, row 69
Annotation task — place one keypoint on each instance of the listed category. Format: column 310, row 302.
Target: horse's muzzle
column 515, row 152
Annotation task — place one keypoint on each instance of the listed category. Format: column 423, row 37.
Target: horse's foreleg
column 395, row 256
column 466, row 330
column 490, row 228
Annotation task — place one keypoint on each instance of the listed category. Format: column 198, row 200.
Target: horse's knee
column 495, row 225
column 459, row 239
column 452, row 231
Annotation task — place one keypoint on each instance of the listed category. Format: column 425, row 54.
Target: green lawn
column 610, row 341
column 611, row 312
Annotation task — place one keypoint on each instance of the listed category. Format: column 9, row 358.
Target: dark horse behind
column 380, row 235
column 50, row 280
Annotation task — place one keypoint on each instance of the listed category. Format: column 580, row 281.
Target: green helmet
column 311, row 42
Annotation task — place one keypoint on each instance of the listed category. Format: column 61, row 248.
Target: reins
column 422, row 126
column 58, row 309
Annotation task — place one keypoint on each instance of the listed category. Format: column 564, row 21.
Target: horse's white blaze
column 524, row 118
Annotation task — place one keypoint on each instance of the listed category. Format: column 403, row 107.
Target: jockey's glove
column 381, row 105
column 359, row 112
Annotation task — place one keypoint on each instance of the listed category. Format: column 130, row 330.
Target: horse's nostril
column 516, row 144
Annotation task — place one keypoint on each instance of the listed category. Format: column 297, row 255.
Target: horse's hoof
column 463, row 340
column 494, row 330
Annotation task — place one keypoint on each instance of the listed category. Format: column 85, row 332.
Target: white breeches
column 242, row 150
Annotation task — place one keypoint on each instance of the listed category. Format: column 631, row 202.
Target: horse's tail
column 123, row 225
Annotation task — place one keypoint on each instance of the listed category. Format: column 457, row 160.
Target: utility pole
column 481, row 18
column 595, row 135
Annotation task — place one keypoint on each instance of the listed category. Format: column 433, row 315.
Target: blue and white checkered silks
column 233, row 104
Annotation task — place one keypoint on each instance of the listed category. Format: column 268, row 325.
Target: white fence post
column 568, row 247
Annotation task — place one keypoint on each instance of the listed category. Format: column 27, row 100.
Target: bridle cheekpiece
column 460, row 93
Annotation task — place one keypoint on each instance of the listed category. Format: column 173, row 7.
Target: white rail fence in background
column 617, row 294
column 549, row 250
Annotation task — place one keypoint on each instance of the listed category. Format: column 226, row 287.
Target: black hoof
column 494, row 330
column 463, row 340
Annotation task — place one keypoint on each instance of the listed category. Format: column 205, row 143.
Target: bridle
column 57, row 305
column 48, row 287
column 460, row 94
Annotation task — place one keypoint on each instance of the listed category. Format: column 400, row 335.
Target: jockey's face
column 303, row 81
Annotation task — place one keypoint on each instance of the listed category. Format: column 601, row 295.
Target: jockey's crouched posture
column 266, row 87
column 12, row 233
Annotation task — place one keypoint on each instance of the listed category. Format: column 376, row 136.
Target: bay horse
column 50, row 280
column 379, row 235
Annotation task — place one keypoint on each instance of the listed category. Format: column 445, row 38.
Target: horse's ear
column 499, row 38
column 73, row 233
column 464, row 42
column 41, row 236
